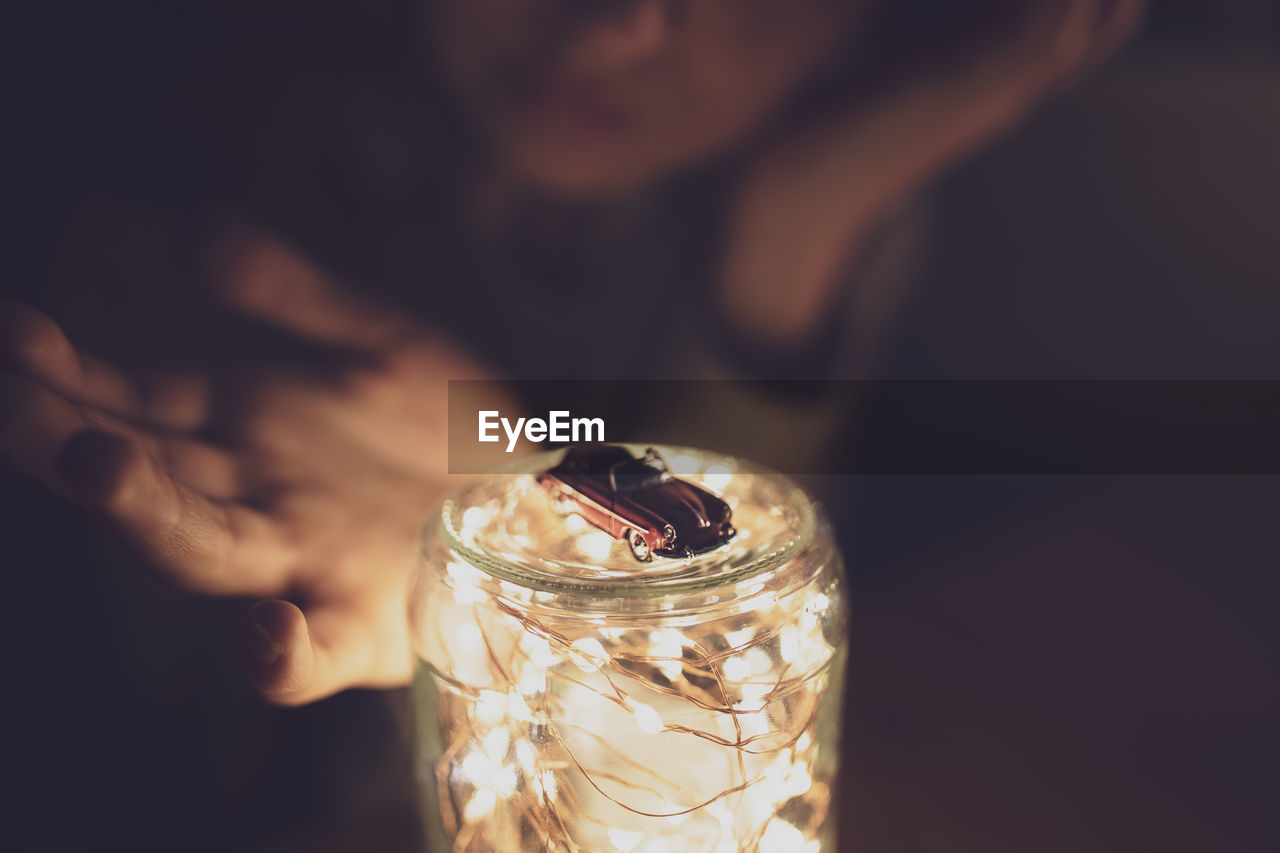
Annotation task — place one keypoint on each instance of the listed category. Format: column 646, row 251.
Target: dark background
column 1038, row 663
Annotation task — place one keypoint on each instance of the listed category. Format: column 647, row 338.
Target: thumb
column 293, row 658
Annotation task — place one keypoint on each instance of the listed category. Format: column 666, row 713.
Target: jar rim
column 529, row 575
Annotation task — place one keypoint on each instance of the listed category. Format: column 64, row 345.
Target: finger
column 200, row 544
column 1121, row 20
column 269, row 280
column 37, row 422
column 34, row 424
column 32, row 344
column 292, row 659
column 211, row 471
column 1075, row 32
column 1090, row 31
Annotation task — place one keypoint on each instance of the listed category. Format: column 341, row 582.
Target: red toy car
column 638, row 499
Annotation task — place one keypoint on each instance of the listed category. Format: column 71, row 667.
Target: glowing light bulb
column 471, row 660
column 799, row 780
column 758, row 661
column 596, row 545
column 668, row 644
column 538, row 649
column 518, row 708
column 588, row 654
column 545, row 782
column 624, row 840
column 474, row 518
column 526, row 756
column 496, row 743
column 647, row 718
column 491, row 707
column 736, row 669
column 684, row 465
column 505, row 780
column 478, row 769
column 753, row 695
column 789, row 644
column 781, row 837
column 717, row 477
column 480, row 805
column 533, row 680
column 752, row 724
column 721, row 813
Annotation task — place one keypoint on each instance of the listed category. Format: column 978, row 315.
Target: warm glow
column 631, row 728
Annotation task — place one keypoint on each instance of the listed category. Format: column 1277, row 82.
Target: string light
column 662, row 732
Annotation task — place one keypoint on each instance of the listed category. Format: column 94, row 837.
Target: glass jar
column 571, row 697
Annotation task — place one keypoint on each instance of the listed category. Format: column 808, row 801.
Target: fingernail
column 265, row 648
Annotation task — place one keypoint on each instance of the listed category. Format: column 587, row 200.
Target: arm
column 812, row 200
column 306, row 492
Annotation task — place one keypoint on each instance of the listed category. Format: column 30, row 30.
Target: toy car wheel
column 639, row 546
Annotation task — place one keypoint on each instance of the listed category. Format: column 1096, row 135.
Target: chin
column 590, row 173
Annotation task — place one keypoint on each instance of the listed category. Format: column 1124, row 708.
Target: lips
column 569, row 101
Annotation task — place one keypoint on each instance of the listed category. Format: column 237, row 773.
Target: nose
column 621, row 33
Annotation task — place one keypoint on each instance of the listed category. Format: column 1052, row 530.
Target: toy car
column 638, row 499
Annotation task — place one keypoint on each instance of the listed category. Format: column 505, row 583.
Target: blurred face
column 593, row 97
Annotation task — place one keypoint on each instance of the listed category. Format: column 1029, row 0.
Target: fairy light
column 496, row 743
column 668, row 645
column 525, row 756
column 684, row 465
column 595, row 545
column 781, row 837
column 538, row 650
column 647, row 718
column 757, row 661
column 645, row 735
column 754, row 694
column 717, row 477
column 491, row 707
column 480, row 805
column 466, row 590
column 545, row 784
column 478, row 770
column 588, row 654
column 505, row 780
column 474, row 519
column 624, row 840
column 736, row 669
column 470, row 661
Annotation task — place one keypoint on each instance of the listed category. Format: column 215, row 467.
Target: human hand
column 306, row 491
column 810, row 196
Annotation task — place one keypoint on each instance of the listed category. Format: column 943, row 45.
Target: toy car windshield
column 636, row 474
